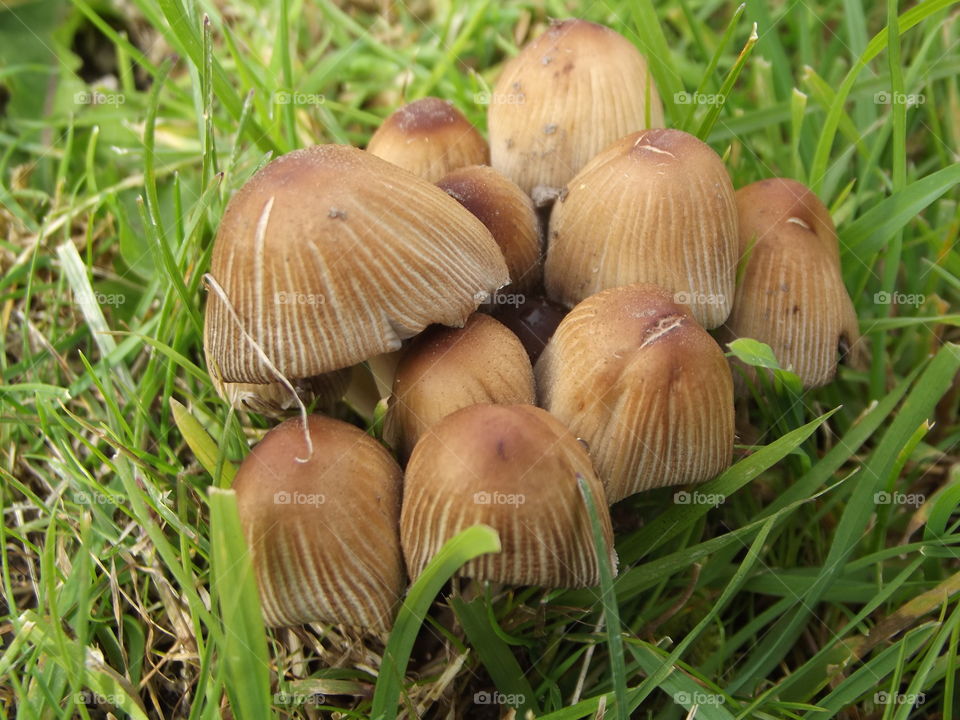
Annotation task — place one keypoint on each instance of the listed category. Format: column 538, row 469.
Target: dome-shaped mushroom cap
column 445, row 369
column 792, row 294
column 314, row 561
column 507, row 213
column 514, row 468
column 568, row 94
column 632, row 373
column 429, row 137
column 329, row 256
column 656, row 206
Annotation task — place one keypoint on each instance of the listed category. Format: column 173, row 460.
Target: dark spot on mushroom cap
column 501, row 451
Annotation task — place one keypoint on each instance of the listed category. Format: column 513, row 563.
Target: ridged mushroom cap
column 634, row 375
column 329, row 255
column 507, row 213
column 445, row 369
column 514, row 468
column 313, row 560
column 656, row 207
column 568, row 94
column 276, row 400
column 792, row 295
column 429, row 137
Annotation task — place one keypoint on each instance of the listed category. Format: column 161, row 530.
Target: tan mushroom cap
column 446, row 369
column 329, row 256
column 656, row 206
column 568, row 94
column 429, row 137
column 792, row 294
column 514, row 468
column 324, row 534
column 507, row 213
column 632, row 373
column 276, row 400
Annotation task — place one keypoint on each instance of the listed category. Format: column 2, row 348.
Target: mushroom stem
column 363, row 393
column 211, row 282
column 383, row 367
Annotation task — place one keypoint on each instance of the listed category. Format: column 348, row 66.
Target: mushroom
column 514, row 468
column 632, row 373
column 329, row 256
column 656, row 206
column 429, row 137
column 792, row 295
column 445, row 369
column 568, row 94
column 275, row 400
column 313, row 560
column 507, row 213
column 534, row 320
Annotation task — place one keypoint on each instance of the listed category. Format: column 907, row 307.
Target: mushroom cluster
column 526, row 315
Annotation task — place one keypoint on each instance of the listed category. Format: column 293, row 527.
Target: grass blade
column 472, row 542
column 611, row 611
column 243, row 652
column 494, row 653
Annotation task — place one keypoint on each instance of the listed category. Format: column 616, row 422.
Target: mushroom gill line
column 663, row 327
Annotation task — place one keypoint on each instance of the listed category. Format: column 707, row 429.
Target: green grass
column 803, row 594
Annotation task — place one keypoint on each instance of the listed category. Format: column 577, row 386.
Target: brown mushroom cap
column 514, row 468
column 507, row 213
column 429, row 137
column 566, row 96
column 313, row 560
column 656, row 206
column 632, row 373
column 445, row 369
column 329, row 256
column 792, row 295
